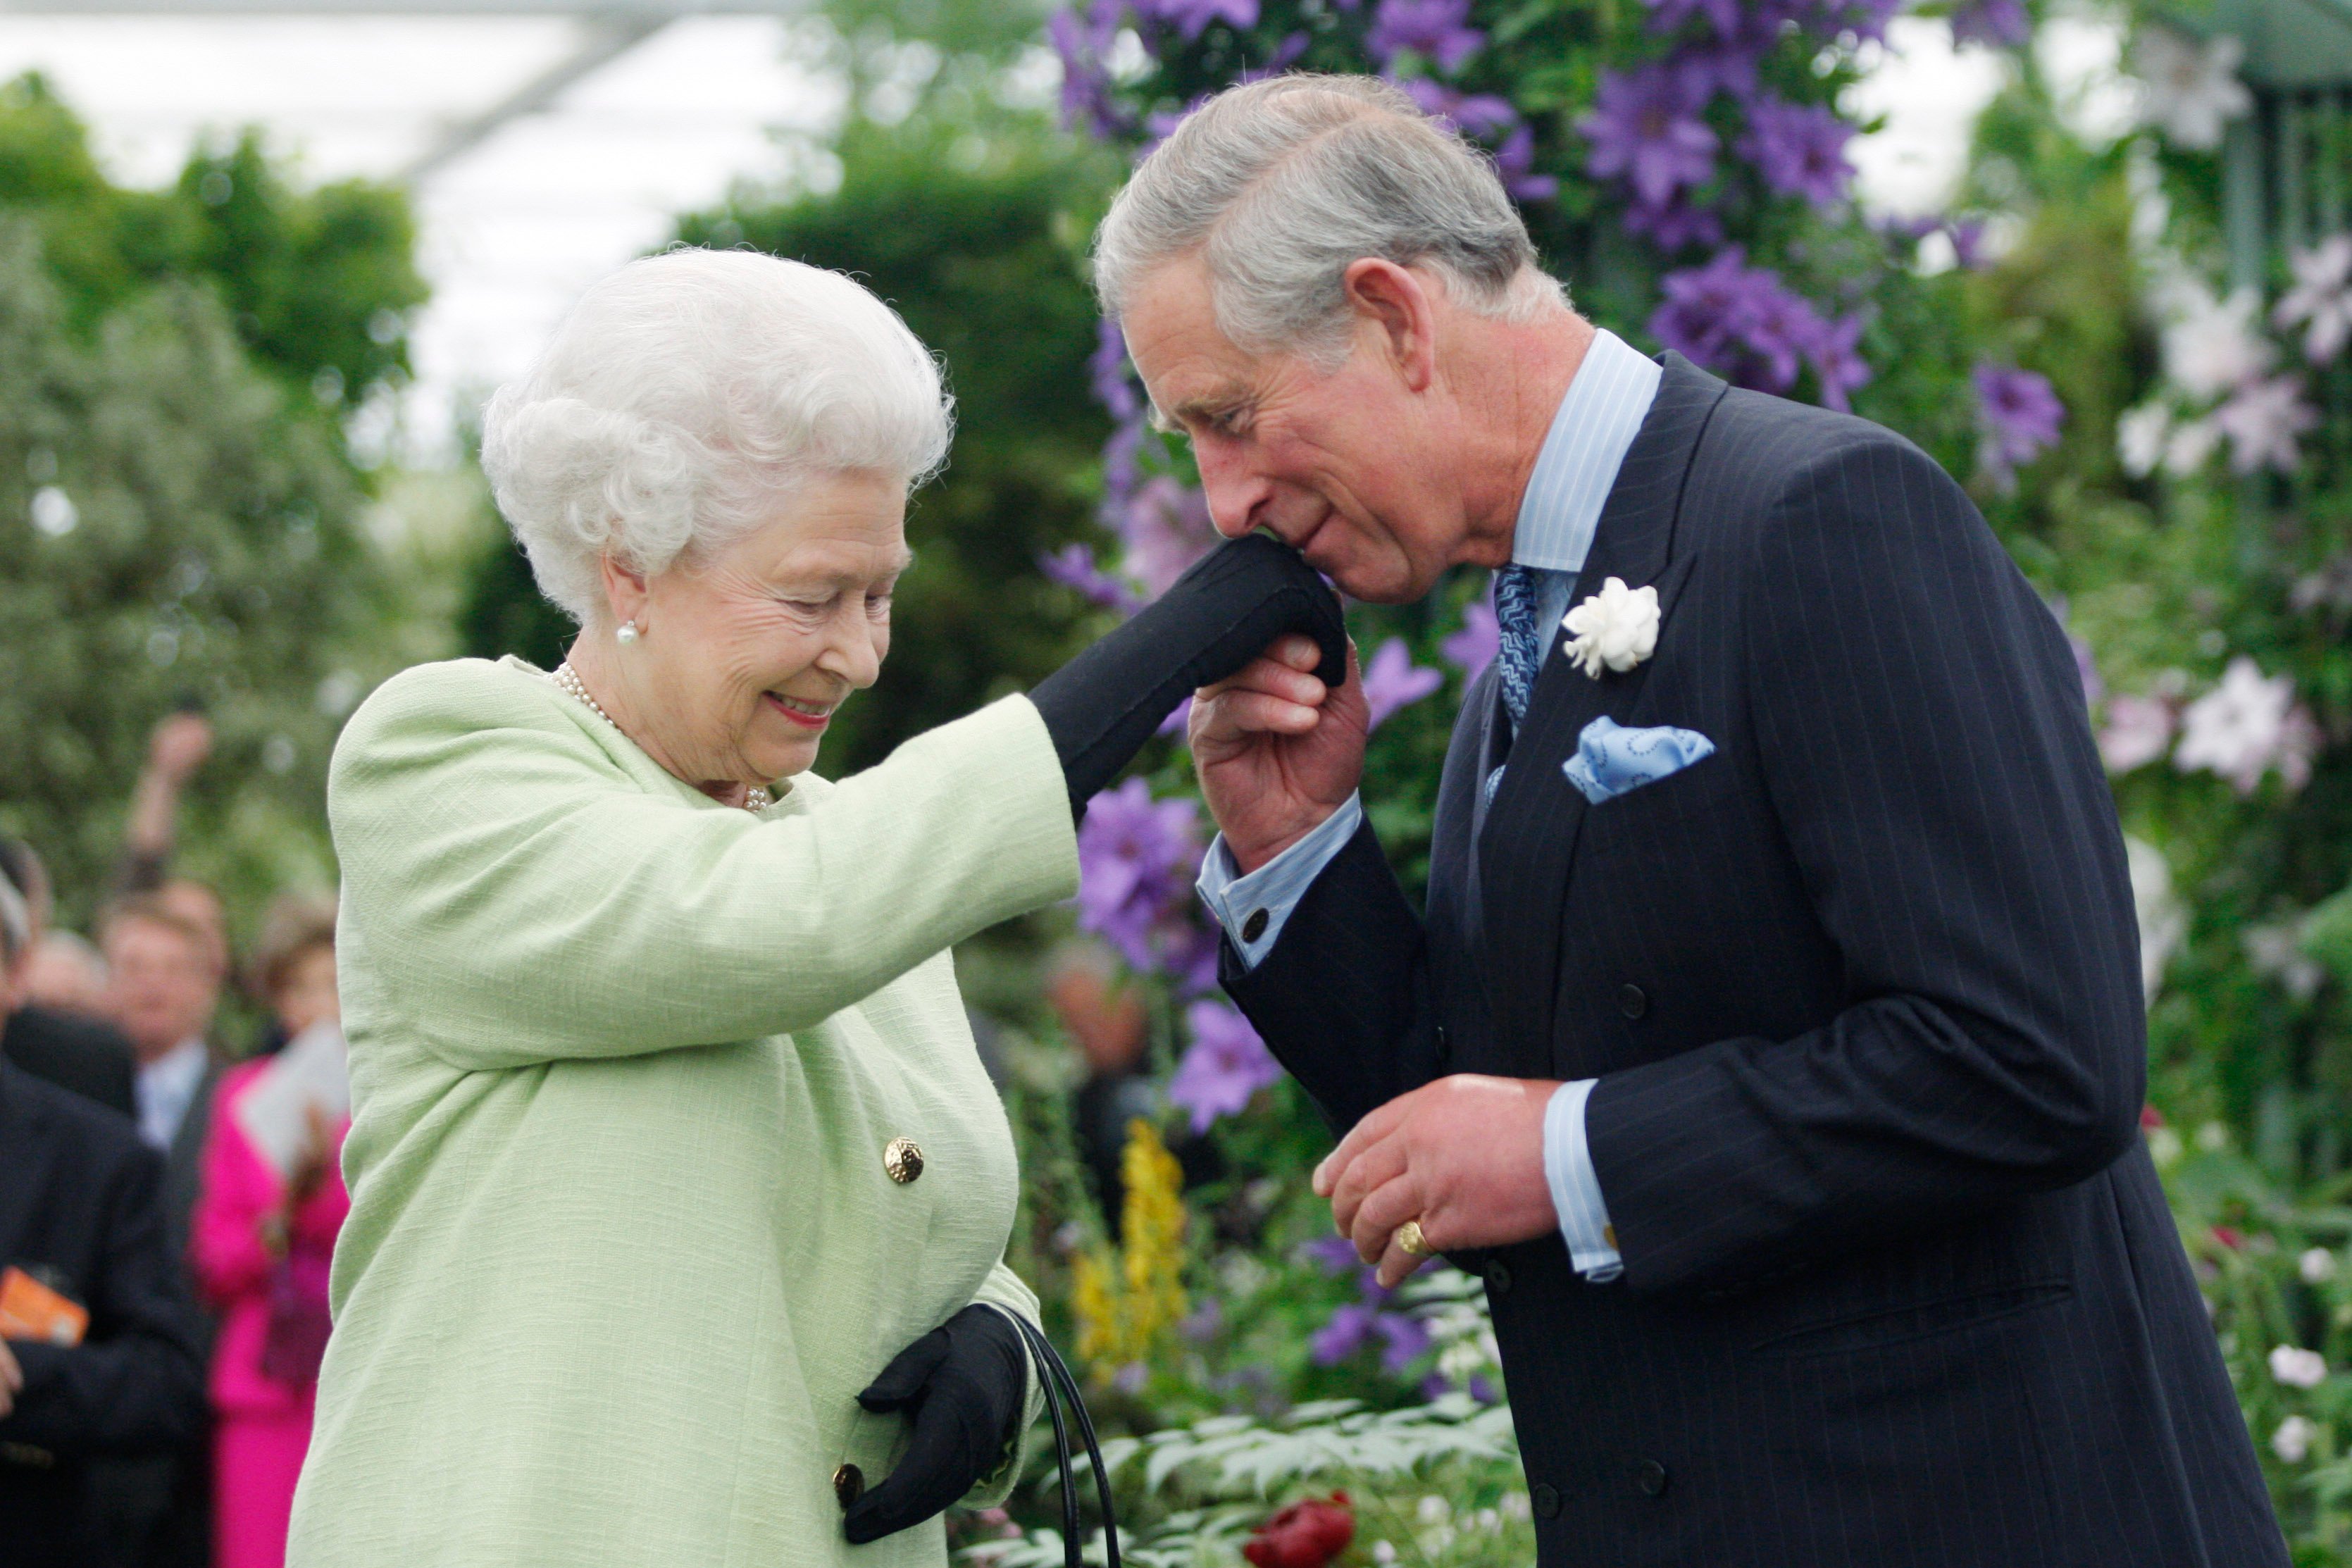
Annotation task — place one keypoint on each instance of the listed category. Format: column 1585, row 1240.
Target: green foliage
column 183, row 520
column 317, row 283
column 201, row 545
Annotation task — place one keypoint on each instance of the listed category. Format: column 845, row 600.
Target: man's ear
column 1402, row 306
column 625, row 591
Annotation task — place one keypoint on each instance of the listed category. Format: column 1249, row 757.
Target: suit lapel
column 1527, row 843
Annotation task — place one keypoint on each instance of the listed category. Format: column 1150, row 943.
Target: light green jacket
column 622, row 1249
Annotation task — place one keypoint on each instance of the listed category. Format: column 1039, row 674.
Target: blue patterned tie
column 1516, row 588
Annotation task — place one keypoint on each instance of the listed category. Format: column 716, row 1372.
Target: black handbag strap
column 1054, row 1376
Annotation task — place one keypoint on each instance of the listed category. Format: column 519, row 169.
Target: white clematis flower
column 2292, row 1441
column 1616, row 628
column 2298, row 1368
column 2211, row 345
column 2188, row 89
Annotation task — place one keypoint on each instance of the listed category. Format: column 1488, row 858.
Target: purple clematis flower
column 1474, row 648
column 1224, row 1066
column 1167, row 529
column 1998, row 24
column 1723, row 15
column 1481, row 116
column 1073, row 566
column 1136, row 860
column 1391, row 681
column 1408, row 1341
column 2019, row 414
column 1106, row 368
column 1721, row 67
column 1745, row 323
column 1676, row 226
column 1514, row 162
column 1190, row 18
column 1837, row 363
column 1798, row 148
column 1644, row 128
column 1438, row 31
column 1337, row 1340
column 1088, row 100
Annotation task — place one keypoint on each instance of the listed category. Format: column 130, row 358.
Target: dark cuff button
column 1651, row 1477
column 1498, row 1277
column 1254, row 927
column 1632, row 1001
column 1546, row 1496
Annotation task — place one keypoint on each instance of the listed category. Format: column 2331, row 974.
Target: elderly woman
column 679, row 1195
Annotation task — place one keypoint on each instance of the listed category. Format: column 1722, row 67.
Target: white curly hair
column 683, row 400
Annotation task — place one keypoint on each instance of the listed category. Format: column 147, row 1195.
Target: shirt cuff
column 1575, row 1189
column 1254, row 909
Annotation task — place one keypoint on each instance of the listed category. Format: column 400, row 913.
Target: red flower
column 2229, row 1239
column 1303, row 1535
column 2150, row 1118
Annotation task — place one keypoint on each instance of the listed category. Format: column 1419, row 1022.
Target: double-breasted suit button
column 1632, row 1001
column 1444, row 1042
column 1651, row 1477
column 1546, row 1496
column 1498, row 1277
column 902, row 1160
column 1254, row 927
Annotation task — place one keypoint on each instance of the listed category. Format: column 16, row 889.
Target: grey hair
column 1282, row 184
column 685, row 398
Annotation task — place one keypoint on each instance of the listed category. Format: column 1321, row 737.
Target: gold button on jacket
column 903, row 1160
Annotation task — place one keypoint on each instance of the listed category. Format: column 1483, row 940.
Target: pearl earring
column 627, row 633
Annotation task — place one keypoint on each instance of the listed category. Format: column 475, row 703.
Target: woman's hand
column 962, row 1387
column 1218, row 617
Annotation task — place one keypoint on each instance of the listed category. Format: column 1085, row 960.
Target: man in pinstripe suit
column 1771, row 1041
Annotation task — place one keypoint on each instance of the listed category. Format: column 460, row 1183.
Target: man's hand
column 11, row 1380
column 1462, row 1155
column 1276, row 750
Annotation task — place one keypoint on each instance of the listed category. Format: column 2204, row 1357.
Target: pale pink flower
column 2320, row 298
column 2247, row 726
column 2263, row 420
column 2137, row 731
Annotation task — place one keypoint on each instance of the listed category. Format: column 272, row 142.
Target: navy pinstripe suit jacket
column 1862, row 990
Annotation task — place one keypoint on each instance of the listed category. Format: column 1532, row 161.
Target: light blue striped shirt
column 1597, row 418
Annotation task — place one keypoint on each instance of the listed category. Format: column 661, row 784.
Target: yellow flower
column 1127, row 1305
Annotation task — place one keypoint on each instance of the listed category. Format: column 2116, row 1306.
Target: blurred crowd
column 169, row 1201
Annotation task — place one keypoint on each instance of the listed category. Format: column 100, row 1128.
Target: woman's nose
column 855, row 651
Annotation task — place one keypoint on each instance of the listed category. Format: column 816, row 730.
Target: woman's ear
column 625, row 592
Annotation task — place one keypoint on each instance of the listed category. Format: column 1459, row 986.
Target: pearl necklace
column 567, row 680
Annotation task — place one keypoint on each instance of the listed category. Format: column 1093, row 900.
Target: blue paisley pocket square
column 1611, row 759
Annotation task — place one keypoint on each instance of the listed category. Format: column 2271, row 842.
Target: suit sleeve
column 1343, row 998
column 135, row 1383
column 1923, row 737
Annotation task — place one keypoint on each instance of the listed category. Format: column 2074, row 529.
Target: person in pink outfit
column 262, row 1235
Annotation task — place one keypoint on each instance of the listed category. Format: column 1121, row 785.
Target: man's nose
column 1234, row 490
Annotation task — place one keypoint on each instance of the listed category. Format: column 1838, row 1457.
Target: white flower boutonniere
column 1616, row 628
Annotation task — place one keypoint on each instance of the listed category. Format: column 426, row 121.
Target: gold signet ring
column 1408, row 1241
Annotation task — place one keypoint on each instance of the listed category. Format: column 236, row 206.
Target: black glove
column 1102, row 706
column 963, row 1387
